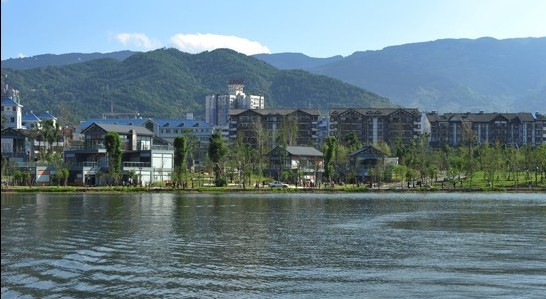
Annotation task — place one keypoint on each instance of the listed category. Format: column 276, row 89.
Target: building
column 541, row 120
column 168, row 129
column 298, row 125
column 322, row 132
column 376, row 125
column 31, row 121
column 368, row 157
column 514, row 129
column 146, row 155
column 17, row 146
column 12, row 110
column 217, row 106
column 304, row 164
column 197, row 133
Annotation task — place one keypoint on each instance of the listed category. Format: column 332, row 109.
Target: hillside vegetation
column 168, row 83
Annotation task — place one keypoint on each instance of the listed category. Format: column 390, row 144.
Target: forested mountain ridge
column 449, row 75
column 45, row 60
column 168, row 83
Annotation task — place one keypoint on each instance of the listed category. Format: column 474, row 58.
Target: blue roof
column 182, row 123
column 10, row 102
column 30, row 117
column 47, row 115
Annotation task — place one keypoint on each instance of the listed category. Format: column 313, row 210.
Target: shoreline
column 347, row 189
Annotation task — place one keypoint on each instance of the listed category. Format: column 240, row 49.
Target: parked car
column 278, row 184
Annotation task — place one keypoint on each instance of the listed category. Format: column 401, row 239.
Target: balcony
column 137, row 165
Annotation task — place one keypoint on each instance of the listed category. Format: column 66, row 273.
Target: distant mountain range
column 168, row 83
column 450, row 75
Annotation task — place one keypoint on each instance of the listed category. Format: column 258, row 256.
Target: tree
column 112, row 142
column 193, row 146
column 400, row 173
column 61, row 176
column 180, row 165
column 217, row 151
column 352, row 142
column 50, row 133
column 261, row 142
column 241, row 153
column 288, row 133
column 330, row 148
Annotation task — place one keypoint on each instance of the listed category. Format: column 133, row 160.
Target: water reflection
column 305, row 245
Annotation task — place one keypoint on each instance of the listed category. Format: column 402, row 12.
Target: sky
column 317, row 28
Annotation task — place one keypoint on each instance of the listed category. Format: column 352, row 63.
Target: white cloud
column 196, row 43
column 138, row 40
column 21, row 55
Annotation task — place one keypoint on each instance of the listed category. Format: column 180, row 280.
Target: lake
column 365, row 245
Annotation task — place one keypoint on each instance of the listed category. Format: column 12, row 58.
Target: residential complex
column 290, row 138
column 376, row 125
column 514, row 129
column 299, row 126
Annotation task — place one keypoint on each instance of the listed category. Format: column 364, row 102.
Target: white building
column 217, row 106
column 12, row 109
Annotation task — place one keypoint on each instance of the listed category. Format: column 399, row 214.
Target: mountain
column 450, row 75
column 295, row 61
column 61, row 59
column 168, row 82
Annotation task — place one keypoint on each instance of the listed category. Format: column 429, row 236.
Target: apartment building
column 300, row 125
column 376, row 125
column 217, row 106
column 514, row 129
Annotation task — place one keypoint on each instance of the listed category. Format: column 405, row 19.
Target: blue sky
column 317, row 28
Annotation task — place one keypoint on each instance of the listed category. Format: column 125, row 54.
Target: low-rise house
column 31, row 121
column 12, row 110
column 144, row 155
column 367, row 158
column 167, row 129
column 304, row 164
column 17, row 145
column 196, row 132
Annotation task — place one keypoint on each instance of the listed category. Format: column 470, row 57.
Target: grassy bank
column 232, row 189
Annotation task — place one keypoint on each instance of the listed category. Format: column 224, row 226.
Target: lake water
column 274, row 245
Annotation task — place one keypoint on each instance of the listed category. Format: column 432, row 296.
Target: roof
column 303, row 151
column 183, row 123
column 30, row 117
column 47, row 115
column 375, row 111
column 115, row 121
column 274, row 111
column 10, row 102
column 11, row 132
column 480, row 117
column 368, row 148
column 123, row 129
